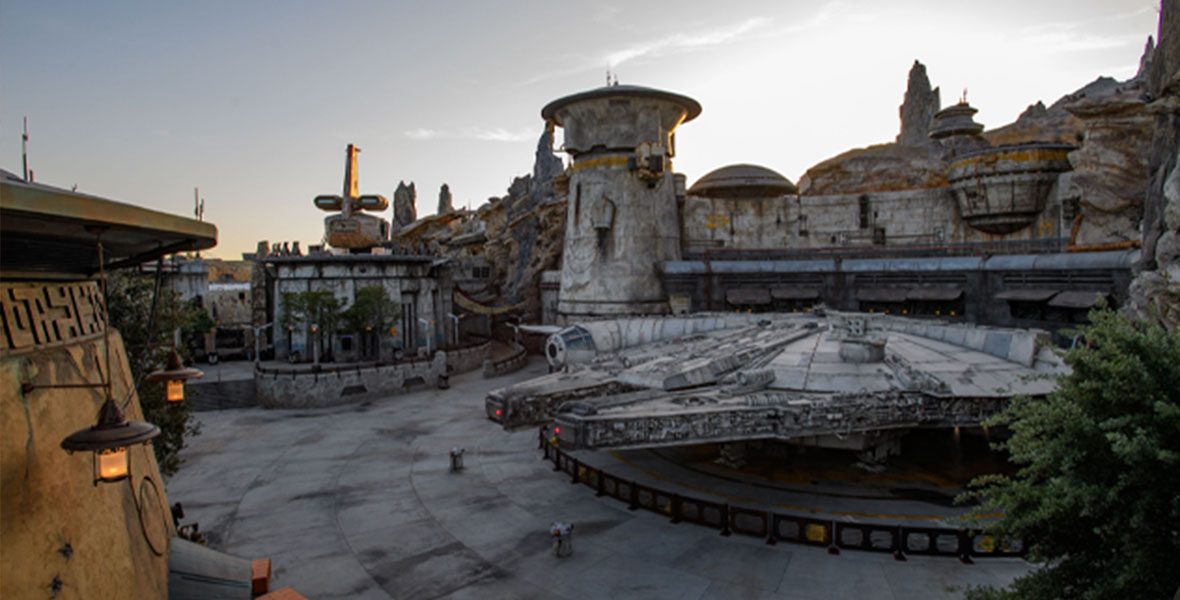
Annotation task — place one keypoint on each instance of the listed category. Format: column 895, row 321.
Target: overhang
column 1077, row 299
column 1026, row 295
column 794, row 293
column 935, row 294
column 756, row 296
column 882, row 294
column 49, row 232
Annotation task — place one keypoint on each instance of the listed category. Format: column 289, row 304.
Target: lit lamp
column 174, row 374
column 108, row 440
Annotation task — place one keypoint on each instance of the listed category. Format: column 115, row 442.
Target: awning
column 794, row 293
column 882, row 294
column 747, row 296
column 1026, row 295
column 933, row 293
column 1076, row 299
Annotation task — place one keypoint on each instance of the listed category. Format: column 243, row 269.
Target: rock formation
column 1110, row 169
column 444, row 200
column 913, row 162
column 526, row 230
column 1155, row 291
column 918, row 108
column 405, row 205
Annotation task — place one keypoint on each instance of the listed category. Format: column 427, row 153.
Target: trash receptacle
column 563, row 539
column 457, row 458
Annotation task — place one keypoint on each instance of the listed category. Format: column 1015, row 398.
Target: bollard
column 457, row 459
column 563, row 539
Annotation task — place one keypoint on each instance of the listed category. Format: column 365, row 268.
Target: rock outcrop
column 918, row 108
column 1155, row 291
column 912, row 162
column 445, row 203
column 405, row 205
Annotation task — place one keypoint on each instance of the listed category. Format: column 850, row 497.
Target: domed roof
column 692, row 108
column 742, row 181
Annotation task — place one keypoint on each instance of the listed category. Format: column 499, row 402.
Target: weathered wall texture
column 417, row 288
column 49, row 500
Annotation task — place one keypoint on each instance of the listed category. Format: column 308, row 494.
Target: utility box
column 562, row 535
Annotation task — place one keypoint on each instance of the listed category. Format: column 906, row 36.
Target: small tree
column 311, row 308
column 371, row 310
column 1097, row 495
column 129, row 304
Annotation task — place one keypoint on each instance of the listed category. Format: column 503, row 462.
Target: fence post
column 899, row 545
column 574, row 476
column 677, row 507
column 833, row 549
column 725, row 530
column 771, row 529
column 965, row 547
column 634, row 497
column 601, row 491
column 541, row 436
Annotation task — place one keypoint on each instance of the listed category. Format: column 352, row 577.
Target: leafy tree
column 311, row 308
column 129, row 304
column 372, row 308
column 1097, row 494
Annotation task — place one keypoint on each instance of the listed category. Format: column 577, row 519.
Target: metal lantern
column 108, row 440
column 174, row 375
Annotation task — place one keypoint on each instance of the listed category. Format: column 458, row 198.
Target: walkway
column 358, row 502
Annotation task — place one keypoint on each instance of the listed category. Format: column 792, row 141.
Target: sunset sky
column 254, row 102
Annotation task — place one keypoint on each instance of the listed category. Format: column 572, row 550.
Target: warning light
column 557, row 430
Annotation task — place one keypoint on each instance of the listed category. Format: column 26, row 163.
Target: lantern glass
column 175, row 389
column 112, row 464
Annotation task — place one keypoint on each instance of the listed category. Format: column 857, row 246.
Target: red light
column 497, row 412
column 556, row 430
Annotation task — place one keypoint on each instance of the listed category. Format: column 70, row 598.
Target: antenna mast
column 24, row 149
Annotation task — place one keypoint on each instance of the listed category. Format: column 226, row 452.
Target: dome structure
column 742, row 181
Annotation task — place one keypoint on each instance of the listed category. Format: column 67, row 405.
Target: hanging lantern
column 174, row 375
column 108, row 440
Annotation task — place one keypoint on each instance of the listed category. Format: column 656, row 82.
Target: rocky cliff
column 1155, row 291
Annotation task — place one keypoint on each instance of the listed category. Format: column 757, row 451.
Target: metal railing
column 899, row 540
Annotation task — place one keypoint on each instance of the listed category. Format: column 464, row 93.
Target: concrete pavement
column 358, row 502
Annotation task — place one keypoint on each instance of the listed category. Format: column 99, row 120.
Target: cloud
column 679, row 42
column 422, row 134
column 484, row 134
column 1070, row 37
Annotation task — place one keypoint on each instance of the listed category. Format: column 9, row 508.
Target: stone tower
column 621, row 216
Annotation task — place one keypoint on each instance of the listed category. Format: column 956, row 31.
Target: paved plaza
column 359, row 502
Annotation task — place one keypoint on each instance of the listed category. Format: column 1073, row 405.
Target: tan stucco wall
column 47, row 499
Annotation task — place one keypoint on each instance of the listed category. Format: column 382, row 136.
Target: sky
column 254, row 102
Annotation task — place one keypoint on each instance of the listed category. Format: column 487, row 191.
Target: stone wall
column 318, row 388
column 468, row 359
column 508, row 364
